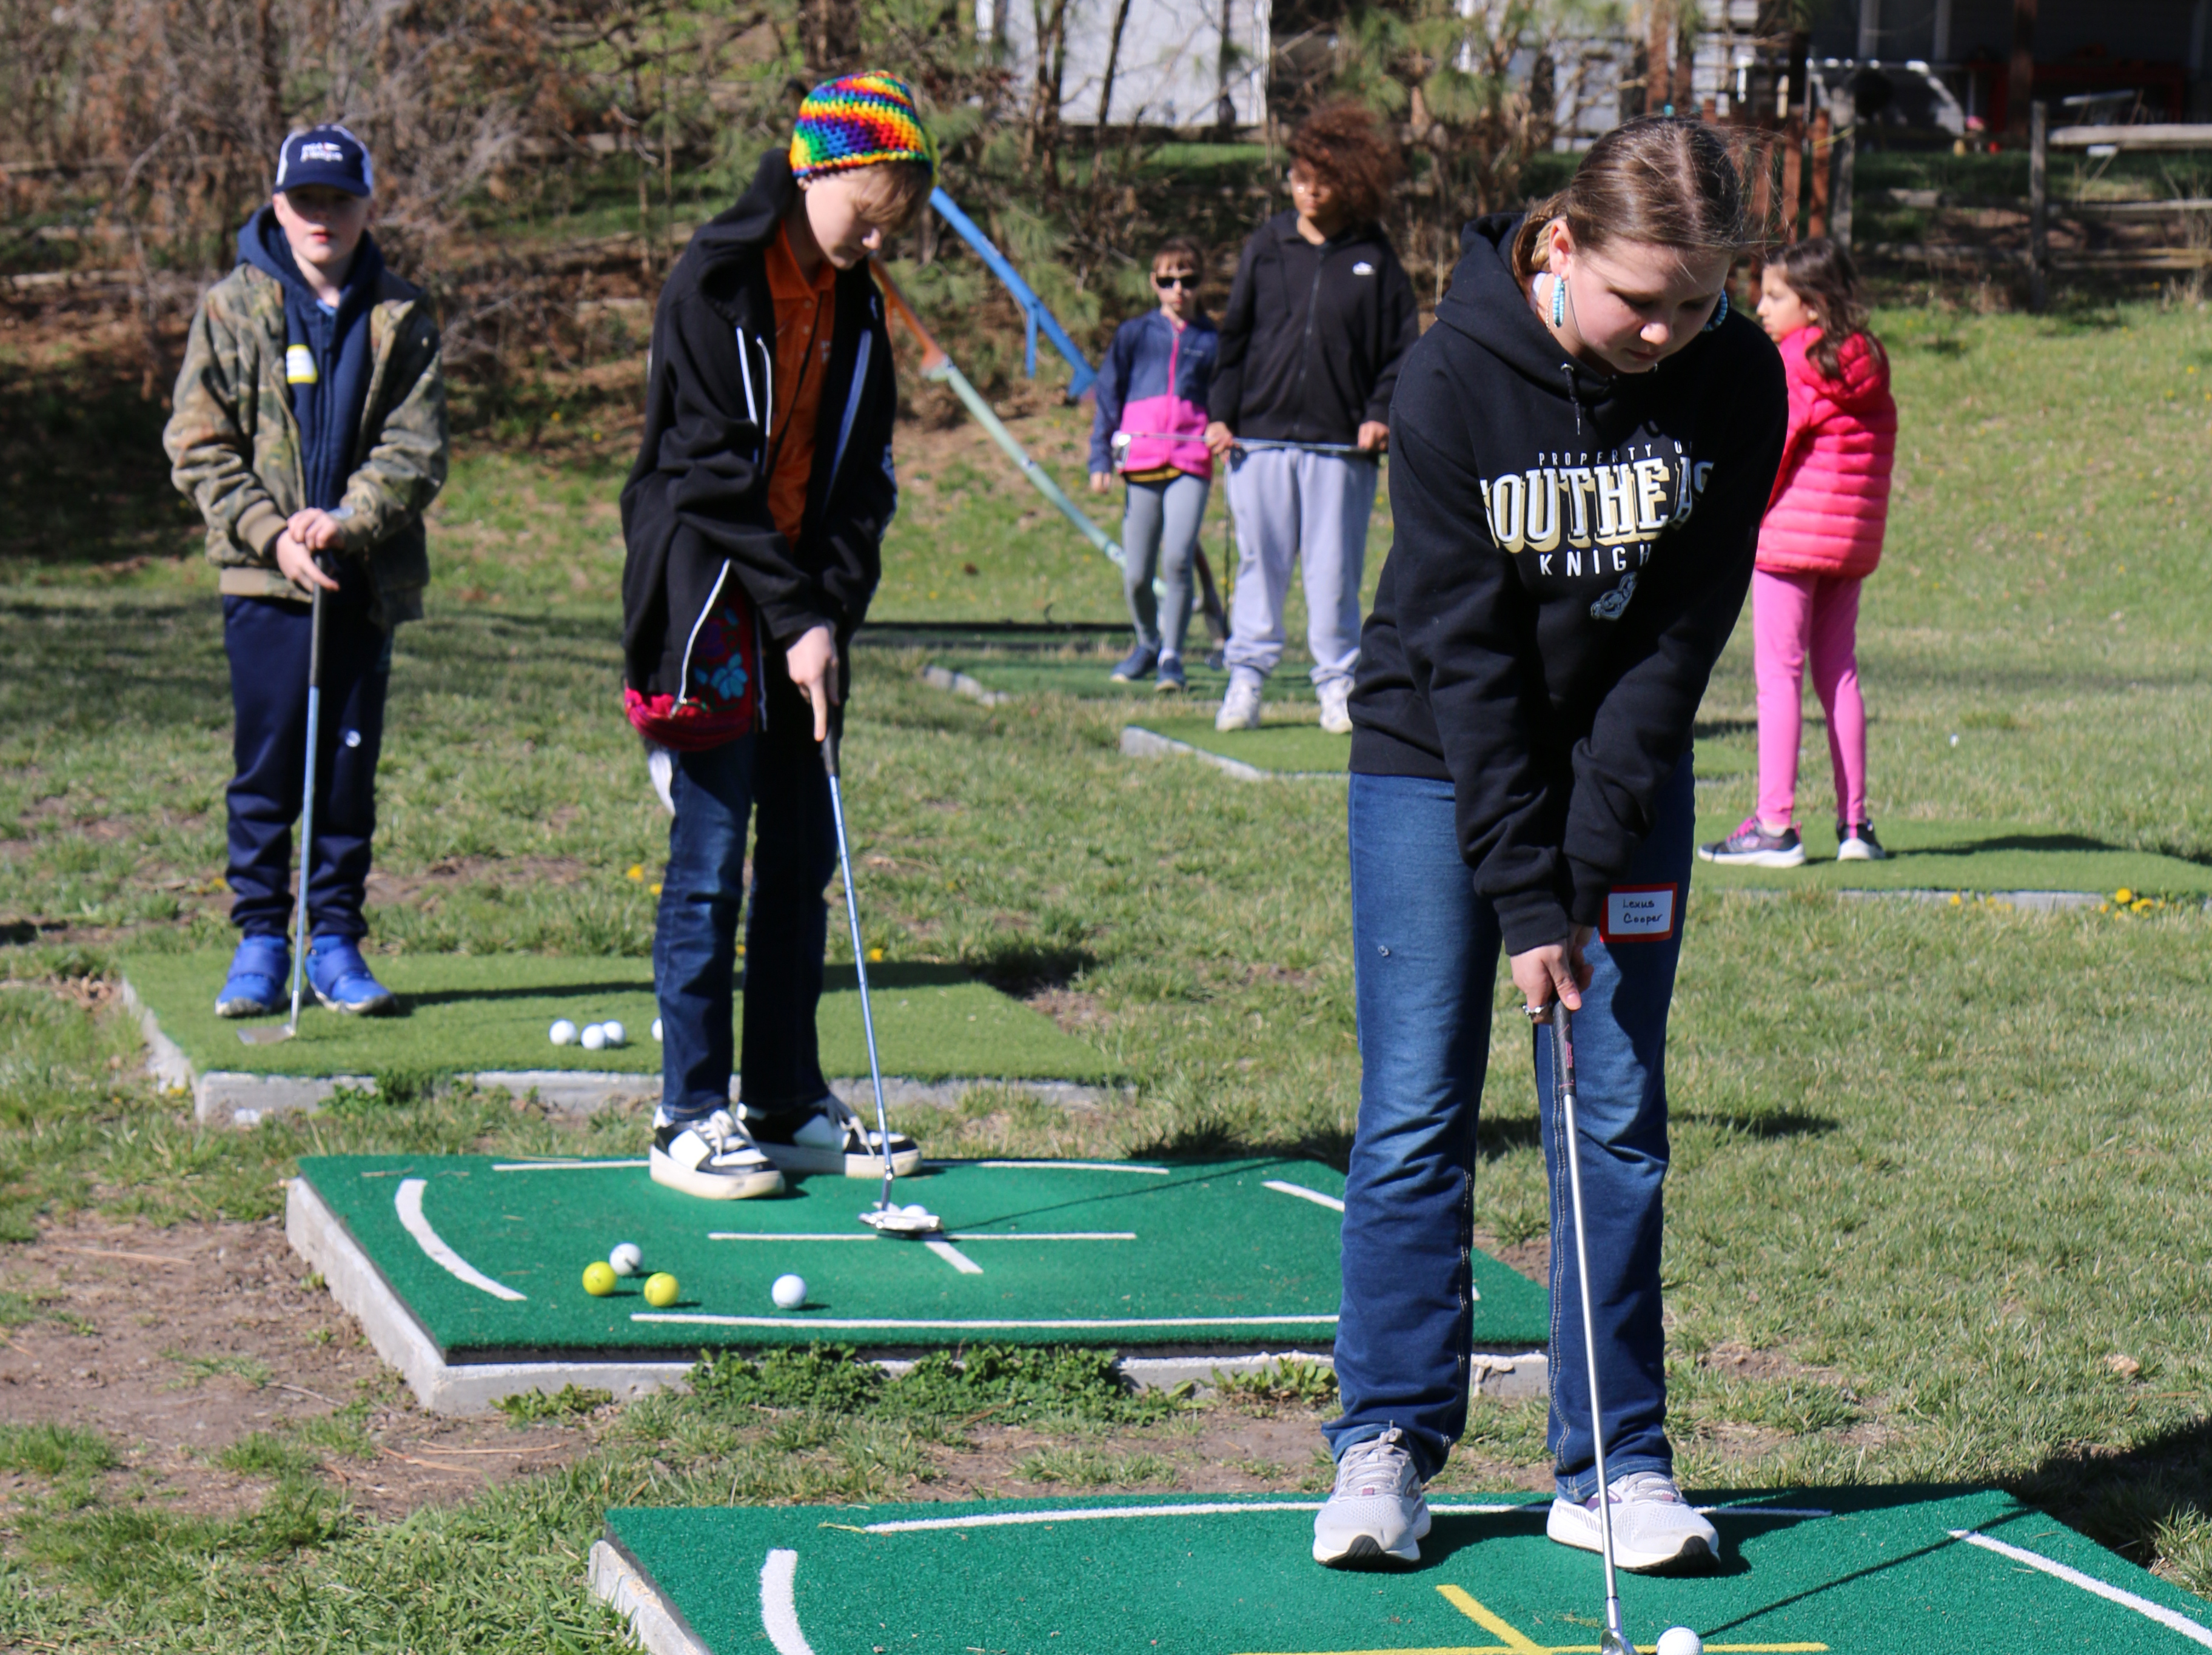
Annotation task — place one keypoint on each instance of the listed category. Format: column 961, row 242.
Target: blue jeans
column 1426, row 966
column 268, row 640
column 778, row 778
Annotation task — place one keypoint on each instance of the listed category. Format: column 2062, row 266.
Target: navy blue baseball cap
column 329, row 155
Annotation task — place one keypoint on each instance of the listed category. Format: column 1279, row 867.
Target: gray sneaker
column 1655, row 1530
column 1376, row 1510
column 1335, row 698
column 1240, row 708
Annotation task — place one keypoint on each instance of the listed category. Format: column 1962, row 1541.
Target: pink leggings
column 1790, row 614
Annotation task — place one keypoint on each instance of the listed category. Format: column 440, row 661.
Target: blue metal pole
column 1033, row 307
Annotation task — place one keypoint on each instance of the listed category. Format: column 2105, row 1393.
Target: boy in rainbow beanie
column 754, row 519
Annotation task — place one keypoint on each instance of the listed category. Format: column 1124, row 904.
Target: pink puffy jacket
column 1831, row 499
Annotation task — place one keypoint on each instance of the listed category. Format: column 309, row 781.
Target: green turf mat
column 467, row 1014
column 1854, row 1571
column 489, row 1256
column 1962, row 856
column 1287, row 749
column 1084, row 671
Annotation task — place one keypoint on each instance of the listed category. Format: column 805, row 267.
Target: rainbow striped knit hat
column 859, row 120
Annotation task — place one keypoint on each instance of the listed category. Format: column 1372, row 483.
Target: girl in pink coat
column 1822, row 535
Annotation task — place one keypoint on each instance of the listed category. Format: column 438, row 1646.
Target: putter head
column 268, row 1037
column 891, row 1220
column 1613, row 1644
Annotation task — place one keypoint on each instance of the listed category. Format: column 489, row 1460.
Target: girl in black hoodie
column 1582, row 445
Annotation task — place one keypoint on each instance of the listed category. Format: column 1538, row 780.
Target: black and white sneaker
column 1855, row 842
column 714, row 1160
column 830, row 1137
column 1376, row 1512
column 1752, row 846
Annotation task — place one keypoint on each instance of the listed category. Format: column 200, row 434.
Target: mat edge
column 1138, row 742
column 624, row 1585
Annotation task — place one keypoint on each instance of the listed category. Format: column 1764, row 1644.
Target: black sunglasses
column 1175, row 281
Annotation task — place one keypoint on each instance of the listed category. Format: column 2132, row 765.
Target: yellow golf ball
column 660, row 1290
column 598, row 1278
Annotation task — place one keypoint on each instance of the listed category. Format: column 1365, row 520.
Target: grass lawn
column 1931, row 1216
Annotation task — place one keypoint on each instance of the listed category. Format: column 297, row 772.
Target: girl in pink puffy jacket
column 1822, row 535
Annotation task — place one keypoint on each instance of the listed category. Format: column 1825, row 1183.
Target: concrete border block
column 618, row 1582
column 943, row 677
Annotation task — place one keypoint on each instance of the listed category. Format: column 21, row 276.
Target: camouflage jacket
column 234, row 448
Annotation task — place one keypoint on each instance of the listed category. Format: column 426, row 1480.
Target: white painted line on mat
column 1069, row 1166
column 892, row 1324
column 952, row 1255
column 1762, row 1511
column 408, row 1203
column 1197, row 1508
column 779, row 1603
column 2172, row 1620
column 557, row 1166
column 1304, row 1194
column 950, row 1235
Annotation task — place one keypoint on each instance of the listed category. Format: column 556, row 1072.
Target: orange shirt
column 806, row 324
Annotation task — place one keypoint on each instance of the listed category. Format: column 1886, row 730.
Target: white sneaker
column 1240, row 708
column 1655, row 1530
column 1335, row 698
column 830, row 1137
column 1377, row 1509
column 713, row 1159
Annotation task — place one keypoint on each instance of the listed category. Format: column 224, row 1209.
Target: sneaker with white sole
column 830, row 1137
column 1855, row 843
column 1752, row 846
column 1240, row 708
column 1335, row 698
column 1655, row 1530
column 1376, row 1510
column 712, row 1158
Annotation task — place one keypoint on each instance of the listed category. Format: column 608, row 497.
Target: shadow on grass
column 1025, row 970
column 1770, row 1124
column 88, row 482
column 2163, row 1486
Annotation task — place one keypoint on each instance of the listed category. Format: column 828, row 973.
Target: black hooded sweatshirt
column 695, row 509
column 1572, row 550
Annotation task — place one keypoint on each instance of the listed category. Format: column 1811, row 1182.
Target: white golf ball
column 789, row 1292
column 562, row 1032
column 594, row 1038
column 1680, row 1641
column 627, row 1258
column 614, row 1031
column 656, row 1028
column 917, row 1210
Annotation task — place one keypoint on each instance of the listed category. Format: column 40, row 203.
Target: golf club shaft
column 860, row 960
column 1562, row 1077
column 307, row 800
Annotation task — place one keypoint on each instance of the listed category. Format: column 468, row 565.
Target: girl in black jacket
column 1582, row 445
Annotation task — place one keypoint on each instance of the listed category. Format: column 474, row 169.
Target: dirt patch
column 426, row 888
column 1075, row 1012
column 1531, row 1258
column 176, row 1344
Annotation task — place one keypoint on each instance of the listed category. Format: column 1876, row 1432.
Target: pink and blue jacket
column 1831, row 499
column 1154, row 382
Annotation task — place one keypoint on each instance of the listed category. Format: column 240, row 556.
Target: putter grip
column 829, row 753
column 315, row 630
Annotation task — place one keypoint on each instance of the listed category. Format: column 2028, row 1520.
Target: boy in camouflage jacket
column 310, row 430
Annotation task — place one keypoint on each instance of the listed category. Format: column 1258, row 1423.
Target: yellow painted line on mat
column 1466, row 1605
column 950, row 1235
column 1519, row 1643
column 886, row 1323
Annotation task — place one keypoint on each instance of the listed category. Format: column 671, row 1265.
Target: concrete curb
column 627, row 1590
column 441, row 1387
column 943, row 677
column 231, row 1097
column 1137, row 742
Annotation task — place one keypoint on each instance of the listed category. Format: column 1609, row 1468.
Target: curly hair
column 1343, row 147
column 1820, row 273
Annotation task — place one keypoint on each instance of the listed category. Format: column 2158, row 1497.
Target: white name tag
column 1638, row 913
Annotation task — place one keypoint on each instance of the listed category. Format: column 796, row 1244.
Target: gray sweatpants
column 1159, row 535
column 1288, row 503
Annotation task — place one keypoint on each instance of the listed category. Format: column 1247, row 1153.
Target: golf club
column 1614, row 1642
column 270, row 1037
column 886, row 1216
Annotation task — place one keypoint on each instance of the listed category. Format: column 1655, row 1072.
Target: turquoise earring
column 1720, row 312
column 1559, row 302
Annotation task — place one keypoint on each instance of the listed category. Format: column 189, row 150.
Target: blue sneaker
column 260, row 972
column 1172, row 679
column 341, row 979
column 1137, row 664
